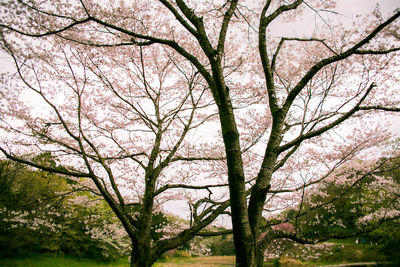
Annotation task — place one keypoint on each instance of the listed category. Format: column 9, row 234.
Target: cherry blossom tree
column 117, row 118
column 355, row 199
column 305, row 98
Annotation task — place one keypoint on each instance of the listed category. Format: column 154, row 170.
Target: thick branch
column 195, row 187
column 224, row 26
column 215, row 233
column 179, row 17
column 187, row 234
column 324, row 62
column 46, row 168
column 268, row 69
column 378, row 107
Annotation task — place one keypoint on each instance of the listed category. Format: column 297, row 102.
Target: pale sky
column 362, row 6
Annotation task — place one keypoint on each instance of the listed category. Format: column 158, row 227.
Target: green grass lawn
column 347, row 252
column 43, row 260
column 213, row 261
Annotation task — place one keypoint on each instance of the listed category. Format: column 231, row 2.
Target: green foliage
column 332, row 253
column 348, row 207
column 352, row 204
column 40, row 260
column 26, row 198
column 41, row 212
column 354, row 253
column 24, row 189
column 388, row 236
column 222, row 246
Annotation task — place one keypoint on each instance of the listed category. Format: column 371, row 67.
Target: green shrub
column 276, row 262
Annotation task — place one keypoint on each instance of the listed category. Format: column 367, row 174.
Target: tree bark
column 142, row 259
column 243, row 238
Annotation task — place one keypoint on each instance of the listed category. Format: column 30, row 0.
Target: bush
column 276, row 262
column 388, row 236
column 222, row 246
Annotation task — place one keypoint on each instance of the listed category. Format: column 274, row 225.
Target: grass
column 213, row 261
column 344, row 252
column 44, row 260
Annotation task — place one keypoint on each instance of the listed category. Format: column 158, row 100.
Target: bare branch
column 331, row 125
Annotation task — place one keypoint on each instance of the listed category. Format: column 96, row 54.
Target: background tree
column 389, row 233
column 359, row 199
column 300, row 89
column 41, row 212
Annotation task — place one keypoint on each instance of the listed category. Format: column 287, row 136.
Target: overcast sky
column 362, row 6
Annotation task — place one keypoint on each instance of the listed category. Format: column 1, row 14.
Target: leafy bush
column 223, row 246
column 388, row 236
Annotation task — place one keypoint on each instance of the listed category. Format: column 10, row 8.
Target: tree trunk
column 142, row 255
column 260, row 253
column 243, row 238
column 245, row 243
column 142, row 259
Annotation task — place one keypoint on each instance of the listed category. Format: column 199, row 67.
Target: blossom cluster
column 42, row 220
column 198, row 248
column 308, row 252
